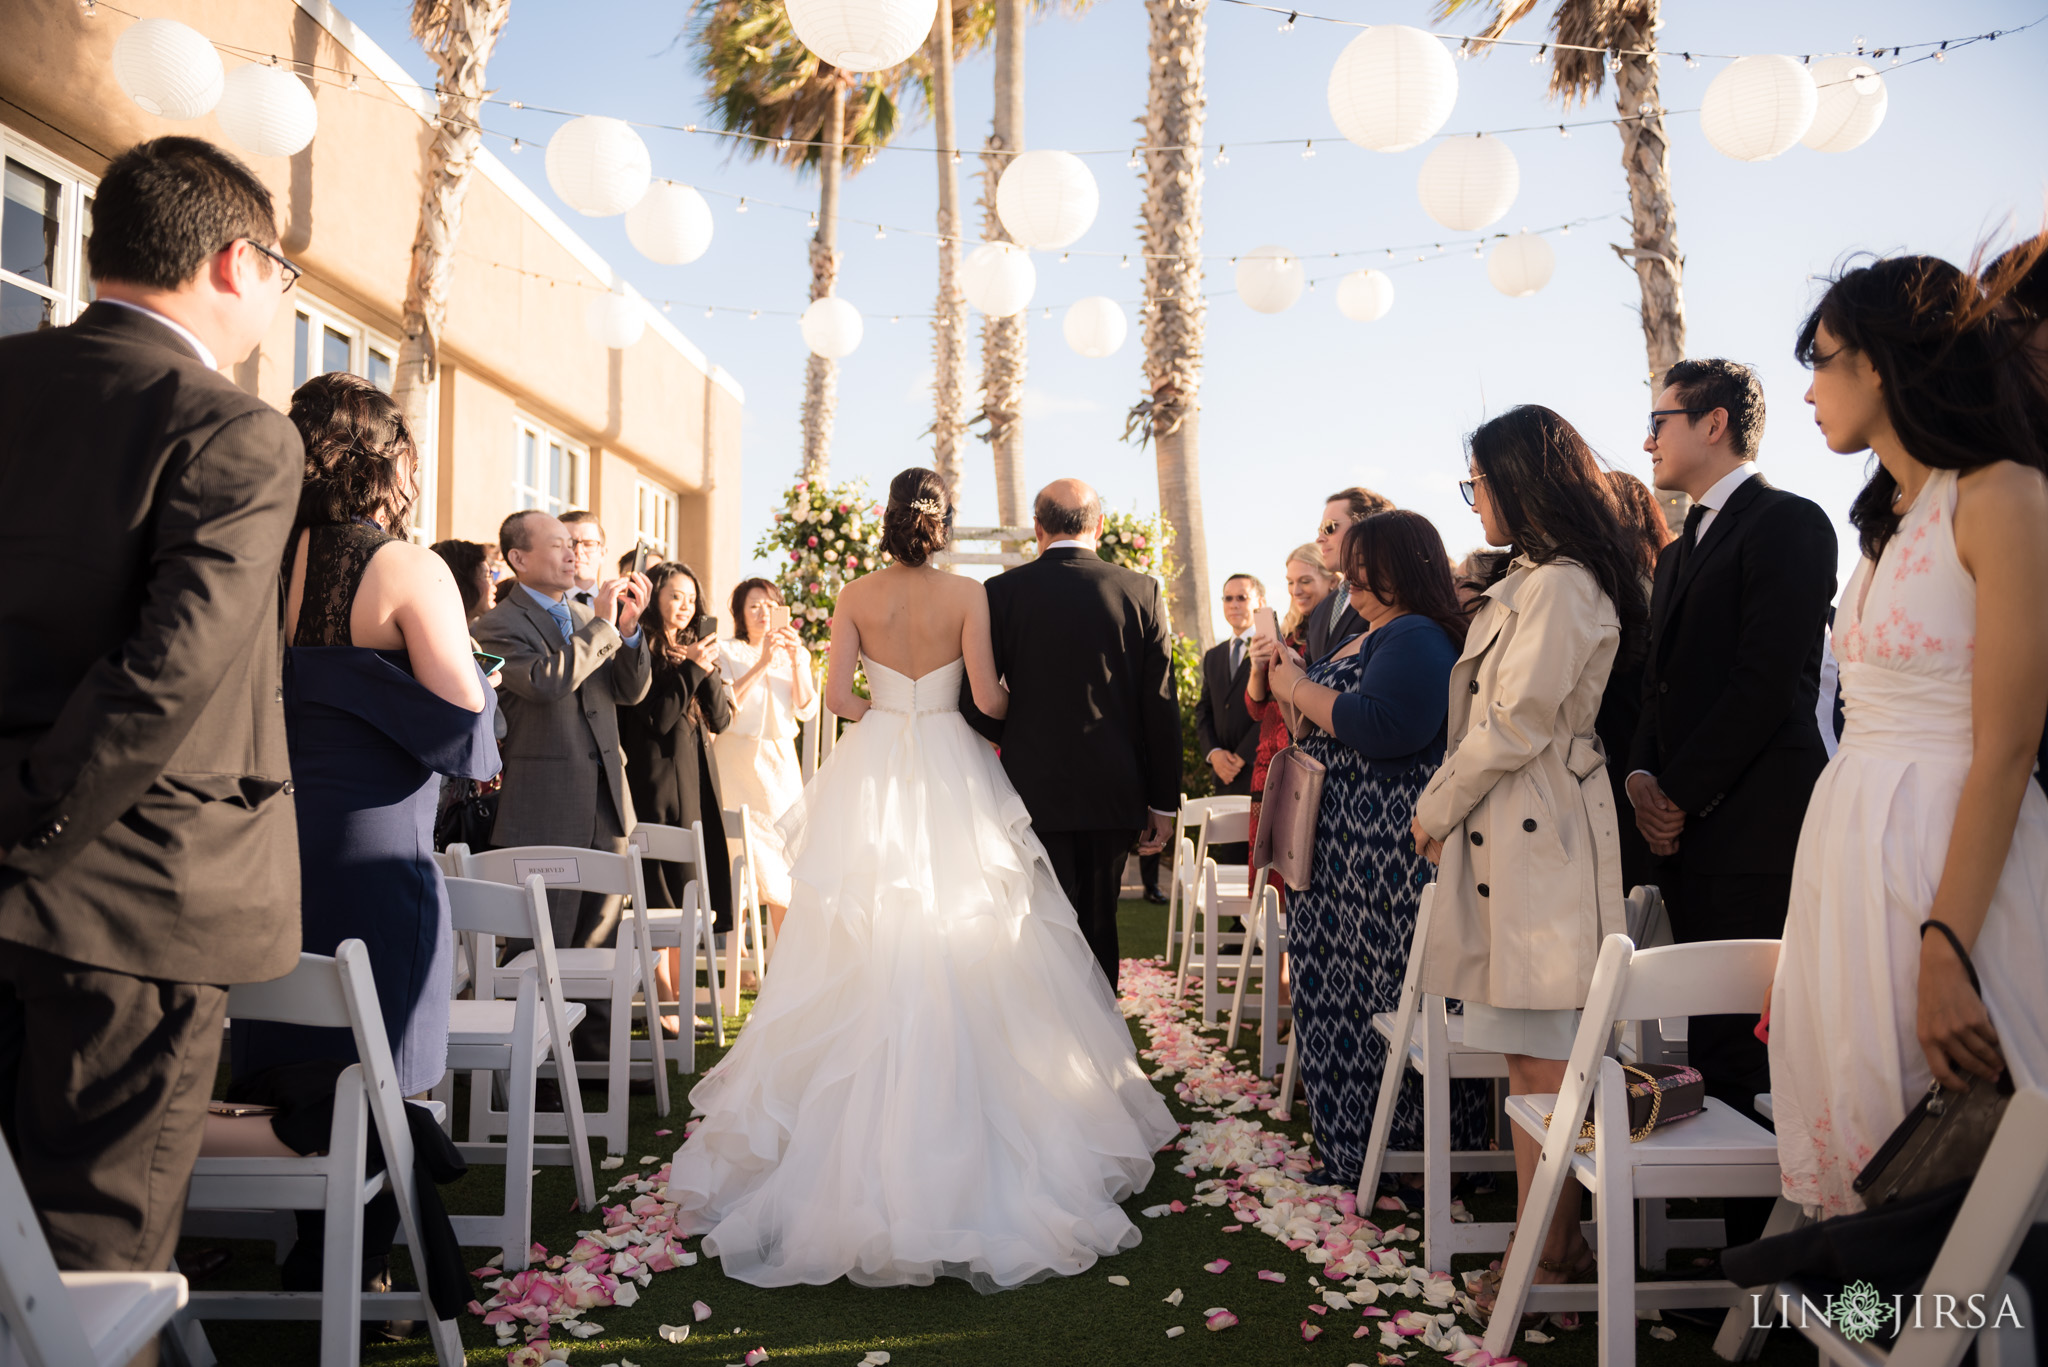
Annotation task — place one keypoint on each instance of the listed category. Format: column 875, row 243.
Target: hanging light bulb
column 518, row 146
column 956, row 158
column 1308, row 149
column 742, row 205
column 879, row 234
column 1691, row 62
column 1134, row 163
column 752, row 316
column 1124, row 264
column 1065, row 257
column 707, row 310
column 1287, row 24
column 1222, row 154
column 1563, row 132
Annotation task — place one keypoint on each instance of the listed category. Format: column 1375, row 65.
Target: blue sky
column 1299, row 403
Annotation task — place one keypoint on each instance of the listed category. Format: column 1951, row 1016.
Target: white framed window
column 549, row 472
column 325, row 340
column 45, row 219
column 654, row 517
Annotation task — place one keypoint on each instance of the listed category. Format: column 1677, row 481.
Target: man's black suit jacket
column 1222, row 721
column 1728, row 724
column 145, row 802
column 1092, row 739
column 1322, row 641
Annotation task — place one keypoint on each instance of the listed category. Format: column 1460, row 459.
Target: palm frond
column 1576, row 75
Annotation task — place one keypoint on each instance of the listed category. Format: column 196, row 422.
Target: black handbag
column 1666, row 1093
column 468, row 820
column 1944, row 1138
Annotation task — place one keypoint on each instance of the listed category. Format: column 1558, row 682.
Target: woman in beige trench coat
column 1520, row 818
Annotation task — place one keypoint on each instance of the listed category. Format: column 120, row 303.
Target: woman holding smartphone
column 666, row 739
column 774, row 693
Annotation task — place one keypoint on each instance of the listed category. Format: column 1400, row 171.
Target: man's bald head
column 1067, row 510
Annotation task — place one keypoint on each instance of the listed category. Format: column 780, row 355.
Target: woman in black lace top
column 381, row 696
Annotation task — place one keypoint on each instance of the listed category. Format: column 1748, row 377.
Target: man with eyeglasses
column 1336, row 621
column 587, row 538
column 1727, row 749
column 148, row 845
column 1224, row 729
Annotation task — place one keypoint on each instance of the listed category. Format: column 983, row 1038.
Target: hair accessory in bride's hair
column 928, row 506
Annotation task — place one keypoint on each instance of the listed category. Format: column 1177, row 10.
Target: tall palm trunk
column 949, row 318
column 821, row 376
column 1173, row 314
column 458, row 35
column 1646, row 159
column 1002, row 339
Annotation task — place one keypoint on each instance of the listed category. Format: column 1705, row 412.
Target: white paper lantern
column 671, row 224
column 831, row 327
column 615, row 320
column 1270, row 279
column 168, row 68
column 998, row 278
column 1095, row 326
column 1852, row 101
column 1046, row 199
column 862, row 35
column 267, row 111
column 1392, row 88
column 598, row 166
column 1758, row 107
column 1521, row 265
column 1467, row 183
column 1365, row 296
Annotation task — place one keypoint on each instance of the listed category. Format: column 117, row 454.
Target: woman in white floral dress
column 1925, row 837
column 774, row 693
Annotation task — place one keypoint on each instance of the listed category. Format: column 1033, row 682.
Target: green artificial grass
column 1070, row 1320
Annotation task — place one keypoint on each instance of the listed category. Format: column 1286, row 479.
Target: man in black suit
column 1726, row 752
column 1092, row 739
column 1335, row 621
column 1224, row 729
column 148, row 851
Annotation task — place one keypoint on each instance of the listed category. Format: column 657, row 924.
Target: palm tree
column 1002, row 339
column 1622, row 32
column 458, row 35
column 949, row 317
column 1173, row 314
column 764, row 82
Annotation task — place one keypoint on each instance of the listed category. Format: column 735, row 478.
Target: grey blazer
column 560, row 703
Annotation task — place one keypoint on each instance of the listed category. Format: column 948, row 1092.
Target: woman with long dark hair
column 666, row 739
column 1372, row 714
column 1521, row 817
column 1621, row 706
column 1925, row 847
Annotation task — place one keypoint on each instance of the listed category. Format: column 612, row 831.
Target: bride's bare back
column 913, row 620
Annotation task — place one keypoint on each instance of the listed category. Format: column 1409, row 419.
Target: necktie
column 1236, row 653
column 560, row 612
column 1689, row 538
column 582, row 596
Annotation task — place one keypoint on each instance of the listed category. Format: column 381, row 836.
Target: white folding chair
column 746, row 892
column 1180, row 904
column 1267, row 935
column 1221, row 890
column 328, row 992
column 57, row 1319
column 1422, row 1035
column 688, row 926
column 1717, row 1153
column 610, row 975
column 511, row 1040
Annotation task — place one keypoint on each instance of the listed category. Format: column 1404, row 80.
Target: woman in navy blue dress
column 1373, row 715
column 381, row 698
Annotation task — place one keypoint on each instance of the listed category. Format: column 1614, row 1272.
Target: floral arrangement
column 823, row 538
column 1136, row 543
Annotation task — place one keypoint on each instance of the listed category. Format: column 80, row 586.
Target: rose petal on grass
column 1175, row 1298
column 1309, row 1332
column 613, row 1162
column 1266, row 1276
column 1232, row 1229
column 1119, row 1281
column 1154, row 1212
column 755, row 1357
column 1220, row 1265
column 1390, row 1203
column 1663, row 1333
column 1219, row 1320
column 674, row 1333
column 1175, row 1332
column 700, row 1310
column 659, row 1133
column 877, row 1358
column 1536, row 1336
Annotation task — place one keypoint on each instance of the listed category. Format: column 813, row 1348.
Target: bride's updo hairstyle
column 917, row 519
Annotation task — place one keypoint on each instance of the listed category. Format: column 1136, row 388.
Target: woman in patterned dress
column 1373, row 715
column 1924, row 839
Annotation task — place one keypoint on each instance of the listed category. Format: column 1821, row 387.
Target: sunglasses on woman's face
column 1470, row 489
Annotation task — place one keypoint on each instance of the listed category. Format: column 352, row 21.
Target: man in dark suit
column 1092, row 739
column 568, row 669
column 1726, row 752
column 148, row 851
column 1224, row 729
column 1335, row 621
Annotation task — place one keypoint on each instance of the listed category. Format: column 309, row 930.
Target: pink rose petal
column 1309, row 1332
column 1220, row 1265
column 700, row 1310
column 755, row 1357
column 1266, row 1276
column 1232, row 1229
column 1361, row 1331
column 1222, row 1319
column 1319, row 1309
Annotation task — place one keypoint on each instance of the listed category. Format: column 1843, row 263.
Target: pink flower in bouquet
column 812, row 587
column 852, row 563
column 1139, row 542
column 811, row 541
column 794, row 556
column 844, row 509
column 803, row 486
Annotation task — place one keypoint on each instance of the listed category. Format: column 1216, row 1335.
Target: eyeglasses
column 1332, row 527
column 1657, row 416
column 1237, row 598
column 292, row 271
column 1470, row 489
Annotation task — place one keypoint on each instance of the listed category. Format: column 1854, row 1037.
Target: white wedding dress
column 935, row 1080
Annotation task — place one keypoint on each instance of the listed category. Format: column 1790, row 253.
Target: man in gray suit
column 568, row 669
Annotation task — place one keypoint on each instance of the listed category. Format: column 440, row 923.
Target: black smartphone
column 707, row 628
column 639, row 557
column 488, row 661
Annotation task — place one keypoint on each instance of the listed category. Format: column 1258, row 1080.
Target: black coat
column 145, row 802
column 1727, row 725
column 1092, row 739
column 672, row 779
column 1222, row 721
column 1322, row 641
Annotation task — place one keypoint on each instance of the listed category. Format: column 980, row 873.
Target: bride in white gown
column 935, row 1080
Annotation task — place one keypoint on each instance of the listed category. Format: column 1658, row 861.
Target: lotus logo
column 1860, row 1313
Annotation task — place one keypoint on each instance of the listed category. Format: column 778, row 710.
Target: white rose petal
column 674, row 1333
column 614, row 1162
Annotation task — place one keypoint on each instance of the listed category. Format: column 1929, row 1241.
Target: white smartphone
column 1265, row 623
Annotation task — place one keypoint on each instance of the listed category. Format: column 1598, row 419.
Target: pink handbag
column 1287, row 816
